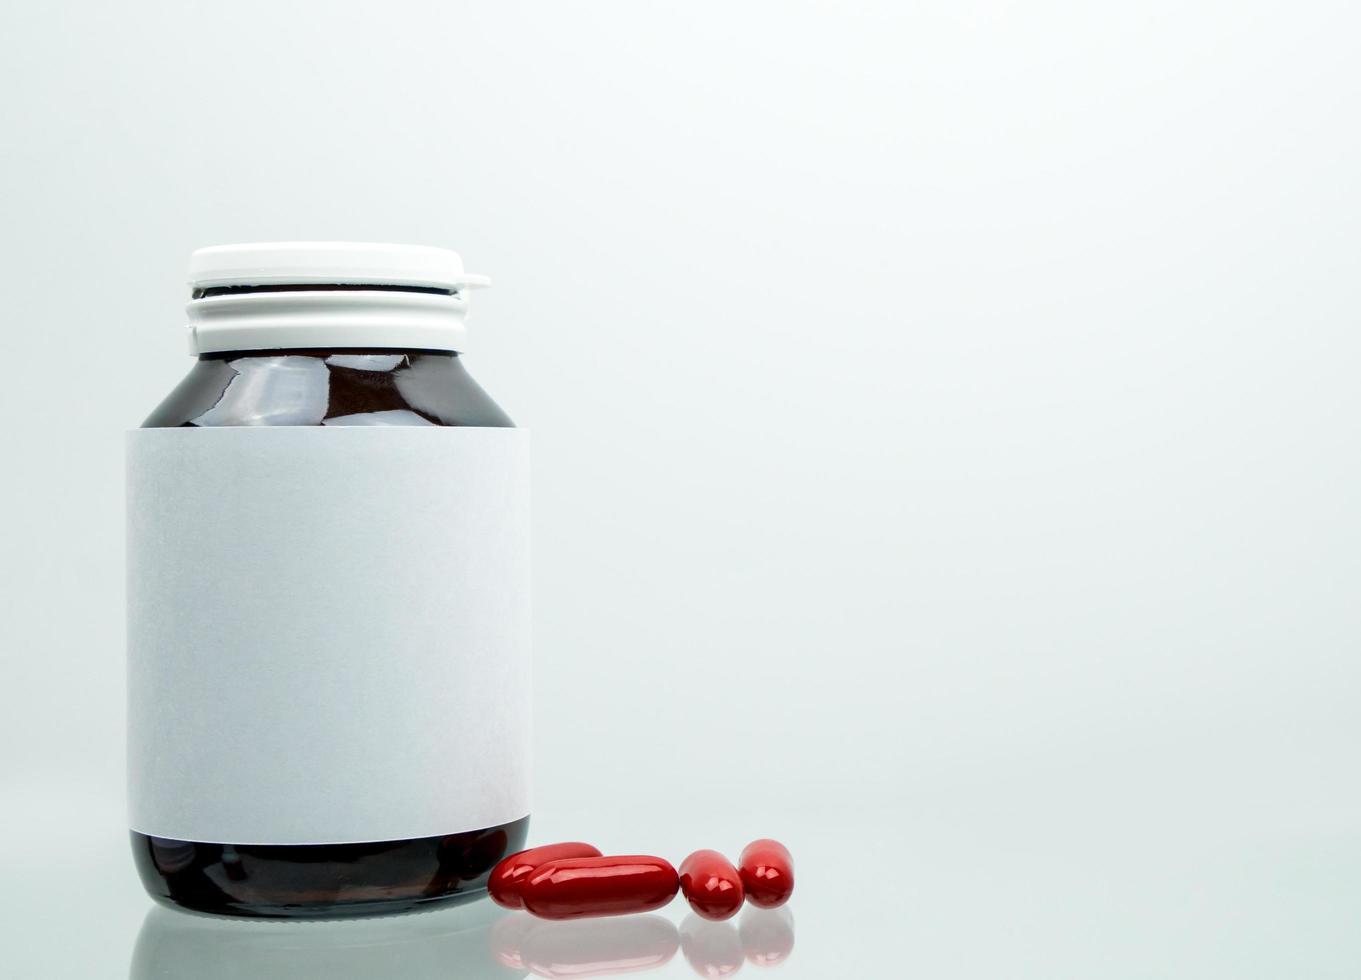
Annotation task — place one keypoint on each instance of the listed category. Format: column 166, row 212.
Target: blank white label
column 328, row 632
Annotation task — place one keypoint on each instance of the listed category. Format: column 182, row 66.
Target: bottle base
column 323, row 881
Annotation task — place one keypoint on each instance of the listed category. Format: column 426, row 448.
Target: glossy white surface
column 1094, row 884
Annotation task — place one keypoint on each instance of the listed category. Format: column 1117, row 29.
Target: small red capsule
column 711, row 885
column 576, row 887
column 767, row 873
column 506, row 878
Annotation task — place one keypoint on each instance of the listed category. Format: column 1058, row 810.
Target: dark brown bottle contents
column 312, row 387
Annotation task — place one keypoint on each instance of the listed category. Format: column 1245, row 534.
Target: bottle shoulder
column 328, row 387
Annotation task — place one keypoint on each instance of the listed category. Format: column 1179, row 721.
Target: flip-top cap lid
column 320, row 263
column 397, row 297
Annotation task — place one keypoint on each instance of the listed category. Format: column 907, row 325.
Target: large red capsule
column 711, row 885
column 506, row 878
column 767, row 873
column 576, row 887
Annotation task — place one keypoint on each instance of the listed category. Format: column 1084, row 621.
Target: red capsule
column 506, row 878
column 711, row 885
column 767, row 873
column 576, row 887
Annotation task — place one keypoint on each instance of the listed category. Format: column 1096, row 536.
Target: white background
column 945, row 415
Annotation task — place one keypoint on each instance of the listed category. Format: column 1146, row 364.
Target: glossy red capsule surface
column 767, row 873
column 711, row 885
column 577, row 887
column 504, row 884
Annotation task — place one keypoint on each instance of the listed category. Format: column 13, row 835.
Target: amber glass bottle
column 327, row 602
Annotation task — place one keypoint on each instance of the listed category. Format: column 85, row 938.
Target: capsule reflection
column 587, row 947
column 767, row 935
column 629, row 944
column 713, row 949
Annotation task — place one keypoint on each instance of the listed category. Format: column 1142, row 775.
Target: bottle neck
column 309, row 317
column 328, row 386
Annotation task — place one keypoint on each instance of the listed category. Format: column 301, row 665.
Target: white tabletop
column 1085, row 884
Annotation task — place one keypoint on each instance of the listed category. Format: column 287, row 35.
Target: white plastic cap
column 342, row 263
column 310, row 318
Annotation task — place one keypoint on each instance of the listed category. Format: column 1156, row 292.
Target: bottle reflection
column 473, row 942
column 421, row 946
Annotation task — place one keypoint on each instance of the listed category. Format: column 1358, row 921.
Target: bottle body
column 326, row 717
